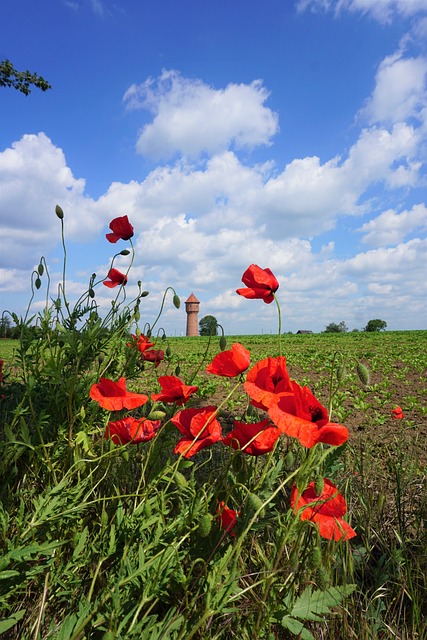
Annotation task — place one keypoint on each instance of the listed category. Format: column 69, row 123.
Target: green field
column 106, row 541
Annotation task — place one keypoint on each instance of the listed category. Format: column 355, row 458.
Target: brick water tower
column 192, row 310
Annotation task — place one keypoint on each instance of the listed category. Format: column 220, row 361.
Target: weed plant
column 141, row 498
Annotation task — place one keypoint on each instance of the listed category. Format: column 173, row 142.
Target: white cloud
column 191, row 117
column 400, row 90
column 391, row 227
column 382, row 10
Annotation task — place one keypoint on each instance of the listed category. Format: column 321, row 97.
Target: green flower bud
column 177, row 370
column 40, row 269
column 180, row 479
column 319, row 485
column 156, row 415
column 168, row 352
column 124, row 252
column 222, row 343
column 59, row 212
column 91, row 293
column 363, row 373
column 144, row 294
column 253, row 503
column 205, row 525
column 176, row 301
column 315, row 558
column 38, row 283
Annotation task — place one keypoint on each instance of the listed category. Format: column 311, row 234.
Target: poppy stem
column 280, row 323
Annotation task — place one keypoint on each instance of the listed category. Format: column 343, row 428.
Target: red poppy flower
column 141, row 343
column 300, row 415
column 397, row 413
column 114, row 397
column 230, row 363
column 253, row 439
column 154, row 355
column 325, row 510
column 260, row 283
column 133, row 430
column 226, row 517
column 199, row 427
column 115, row 278
column 267, row 379
column 121, row 228
column 173, row 390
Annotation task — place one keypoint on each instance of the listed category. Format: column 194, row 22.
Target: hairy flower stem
column 279, row 335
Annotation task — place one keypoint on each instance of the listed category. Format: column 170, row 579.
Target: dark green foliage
column 20, row 80
column 376, row 325
column 208, row 326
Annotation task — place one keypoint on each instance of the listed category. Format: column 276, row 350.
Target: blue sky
column 290, row 134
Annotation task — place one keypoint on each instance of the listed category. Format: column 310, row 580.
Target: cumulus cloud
column 191, row 117
column 382, row 10
column 391, row 227
column 400, row 90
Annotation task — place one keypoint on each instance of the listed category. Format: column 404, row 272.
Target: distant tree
column 5, row 327
column 333, row 327
column 20, row 80
column 375, row 325
column 208, row 326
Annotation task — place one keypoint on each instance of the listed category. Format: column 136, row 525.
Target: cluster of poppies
column 291, row 409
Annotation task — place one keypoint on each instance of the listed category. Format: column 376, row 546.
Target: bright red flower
column 325, row 510
column 300, row 415
column 230, row 363
column 226, row 517
column 141, row 343
column 121, row 228
column 154, row 355
column 267, row 379
column 199, row 427
column 397, row 413
column 253, row 439
column 173, row 390
column 133, row 430
column 260, row 283
column 115, row 278
column 114, row 397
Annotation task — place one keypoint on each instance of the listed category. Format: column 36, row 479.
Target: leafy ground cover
column 159, row 488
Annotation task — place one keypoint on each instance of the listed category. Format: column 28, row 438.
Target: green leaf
column 10, row 622
column 312, row 605
column 296, row 627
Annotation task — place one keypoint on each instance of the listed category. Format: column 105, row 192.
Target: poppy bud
column 156, row 415
column 289, row 460
column 91, row 293
column 180, row 479
column 363, row 373
column 205, row 525
column 323, row 578
column 253, row 504
column 124, row 252
column 40, row 269
column 177, row 370
column 222, row 343
column 176, row 301
column 319, row 485
column 144, row 294
column 57, row 304
column 104, row 519
column 341, row 372
column 38, row 283
column 168, row 352
column 59, row 212
column 137, row 316
column 315, row 558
